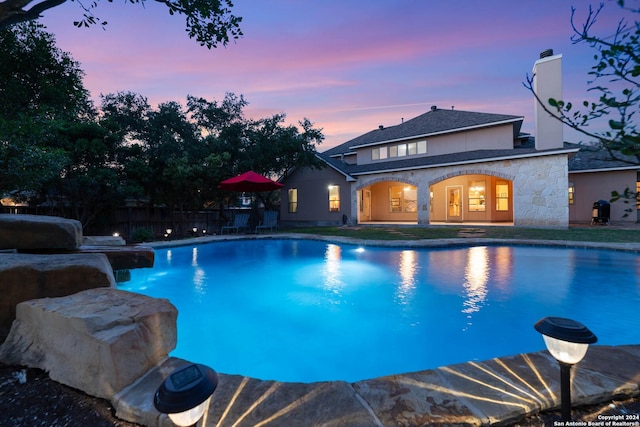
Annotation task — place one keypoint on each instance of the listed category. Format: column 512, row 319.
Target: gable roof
column 434, row 122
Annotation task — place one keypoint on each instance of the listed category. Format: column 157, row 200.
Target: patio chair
column 239, row 221
column 269, row 220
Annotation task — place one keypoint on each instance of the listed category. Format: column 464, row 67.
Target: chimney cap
column 380, row 127
column 546, row 53
column 434, row 107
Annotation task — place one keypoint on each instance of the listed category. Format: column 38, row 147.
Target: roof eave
column 614, row 169
column 348, row 177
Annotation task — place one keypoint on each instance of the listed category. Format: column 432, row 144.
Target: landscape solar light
column 185, row 394
column 567, row 341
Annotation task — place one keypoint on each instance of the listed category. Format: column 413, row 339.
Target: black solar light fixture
column 184, row 395
column 567, row 341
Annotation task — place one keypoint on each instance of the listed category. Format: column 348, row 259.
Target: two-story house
column 448, row 166
column 444, row 166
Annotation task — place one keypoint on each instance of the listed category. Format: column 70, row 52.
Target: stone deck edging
column 499, row 391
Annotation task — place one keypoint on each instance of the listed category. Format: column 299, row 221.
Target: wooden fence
column 136, row 224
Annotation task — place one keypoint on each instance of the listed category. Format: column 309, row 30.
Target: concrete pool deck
column 499, row 391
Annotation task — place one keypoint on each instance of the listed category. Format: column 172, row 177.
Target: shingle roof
column 590, row 158
column 432, row 122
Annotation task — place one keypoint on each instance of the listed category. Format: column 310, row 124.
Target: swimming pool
column 304, row 310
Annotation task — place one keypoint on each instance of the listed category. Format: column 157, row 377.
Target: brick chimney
column 547, row 83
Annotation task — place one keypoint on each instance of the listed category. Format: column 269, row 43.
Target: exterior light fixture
column 116, row 234
column 204, row 231
column 169, row 231
column 567, row 341
column 195, row 230
column 185, row 394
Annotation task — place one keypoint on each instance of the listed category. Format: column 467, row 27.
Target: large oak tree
column 41, row 91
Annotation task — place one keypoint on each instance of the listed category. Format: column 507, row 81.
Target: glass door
column 454, row 203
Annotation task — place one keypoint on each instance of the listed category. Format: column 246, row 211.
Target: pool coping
column 498, row 391
column 418, row 243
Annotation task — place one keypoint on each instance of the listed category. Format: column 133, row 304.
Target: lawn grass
column 596, row 233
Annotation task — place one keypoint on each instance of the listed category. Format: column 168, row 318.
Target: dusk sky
column 348, row 66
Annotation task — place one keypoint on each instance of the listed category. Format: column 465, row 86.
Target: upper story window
column 379, row 153
column 399, row 150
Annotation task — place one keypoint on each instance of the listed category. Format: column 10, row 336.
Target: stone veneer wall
column 540, row 187
column 541, row 192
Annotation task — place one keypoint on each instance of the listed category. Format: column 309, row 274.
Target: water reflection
column 502, row 267
column 194, row 257
column 407, row 269
column 331, row 273
column 476, row 278
column 200, row 281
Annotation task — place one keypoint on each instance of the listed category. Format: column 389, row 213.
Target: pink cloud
column 346, row 66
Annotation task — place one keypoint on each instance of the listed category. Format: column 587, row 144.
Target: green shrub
column 142, row 235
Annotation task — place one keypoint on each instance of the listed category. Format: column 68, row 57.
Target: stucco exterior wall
column 593, row 186
column 313, row 197
column 496, row 137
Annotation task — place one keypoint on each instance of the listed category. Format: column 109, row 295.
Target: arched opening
column 388, row 202
column 469, row 198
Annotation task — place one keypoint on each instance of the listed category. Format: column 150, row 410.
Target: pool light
column 567, row 341
column 184, row 395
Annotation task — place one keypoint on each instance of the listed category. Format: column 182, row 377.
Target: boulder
column 99, row 341
column 25, row 276
column 39, row 232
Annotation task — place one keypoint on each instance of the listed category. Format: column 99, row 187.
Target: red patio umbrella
column 250, row 182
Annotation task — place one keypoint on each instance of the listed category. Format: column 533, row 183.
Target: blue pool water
column 301, row 310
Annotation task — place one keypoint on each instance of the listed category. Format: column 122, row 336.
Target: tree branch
column 12, row 12
column 565, row 120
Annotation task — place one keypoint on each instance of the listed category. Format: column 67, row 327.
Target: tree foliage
column 37, row 79
column 57, row 150
column 40, row 90
column 177, row 156
column 209, row 22
column 615, row 77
